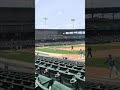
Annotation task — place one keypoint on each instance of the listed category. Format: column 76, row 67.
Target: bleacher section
column 12, row 80
column 98, row 36
column 16, row 43
column 59, row 73
column 50, row 37
column 39, row 44
column 100, row 86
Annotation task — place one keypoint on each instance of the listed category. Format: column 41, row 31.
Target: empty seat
column 54, row 66
column 32, row 79
column 27, row 83
column 63, row 68
column 2, row 77
column 73, row 71
column 6, row 84
column 9, row 79
column 29, row 88
column 80, row 84
column 78, row 68
column 48, row 64
column 65, row 78
column 52, row 73
column 16, row 77
column 69, row 66
column 17, row 81
column 25, row 78
column 17, row 87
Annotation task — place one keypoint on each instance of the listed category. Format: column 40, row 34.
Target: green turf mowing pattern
column 104, row 47
column 52, row 50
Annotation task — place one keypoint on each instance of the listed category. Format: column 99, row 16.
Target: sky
column 59, row 14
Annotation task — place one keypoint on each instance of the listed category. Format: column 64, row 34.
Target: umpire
column 89, row 52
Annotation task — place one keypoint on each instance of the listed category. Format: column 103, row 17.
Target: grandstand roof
column 17, row 3
column 103, row 10
column 102, row 3
column 61, row 29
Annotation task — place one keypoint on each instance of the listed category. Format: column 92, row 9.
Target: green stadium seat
column 52, row 73
column 66, row 79
column 48, row 65
column 10, row 76
column 81, row 84
column 54, row 66
column 63, row 68
column 78, row 68
column 32, row 79
column 2, row 77
column 2, row 88
column 17, row 81
column 9, row 79
column 25, row 78
column 64, row 71
column 69, row 66
column 55, row 85
column 17, row 86
column 73, row 71
column 27, row 83
column 6, row 84
column 29, row 88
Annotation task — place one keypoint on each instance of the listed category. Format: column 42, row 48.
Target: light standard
column 73, row 20
column 92, row 7
column 45, row 21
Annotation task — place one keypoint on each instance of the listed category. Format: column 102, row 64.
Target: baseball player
column 72, row 48
column 111, row 63
column 81, row 53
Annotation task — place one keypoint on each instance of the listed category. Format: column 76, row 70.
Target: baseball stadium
column 102, row 44
column 58, row 62
column 59, row 45
column 17, row 45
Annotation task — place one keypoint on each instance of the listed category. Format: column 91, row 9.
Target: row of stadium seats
column 11, row 80
column 68, row 73
column 103, row 39
column 99, row 86
column 54, row 43
column 59, row 37
column 51, row 59
column 15, row 43
column 44, row 83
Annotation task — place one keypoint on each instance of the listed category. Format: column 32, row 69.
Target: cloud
column 59, row 13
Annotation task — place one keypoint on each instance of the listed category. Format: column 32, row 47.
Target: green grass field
column 96, row 47
column 54, row 49
column 20, row 56
column 100, row 62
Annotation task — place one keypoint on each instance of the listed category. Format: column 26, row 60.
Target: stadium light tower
column 92, row 3
column 45, row 21
column 73, row 20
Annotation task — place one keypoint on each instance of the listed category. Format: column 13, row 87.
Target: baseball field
column 63, row 51
column 96, row 66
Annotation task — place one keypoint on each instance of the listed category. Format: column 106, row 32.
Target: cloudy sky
column 59, row 14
